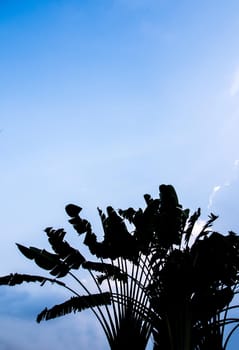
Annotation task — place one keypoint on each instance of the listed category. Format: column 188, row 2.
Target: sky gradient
column 100, row 102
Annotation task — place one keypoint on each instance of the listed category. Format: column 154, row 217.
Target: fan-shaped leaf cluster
column 153, row 275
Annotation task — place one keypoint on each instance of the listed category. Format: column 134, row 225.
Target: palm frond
column 212, row 217
column 101, row 267
column 158, row 282
column 191, row 223
column 16, row 278
column 75, row 304
column 71, row 256
column 45, row 260
column 80, row 225
column 128, row 214
column 118, row 277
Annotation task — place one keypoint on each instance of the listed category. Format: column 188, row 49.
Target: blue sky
column 100, row 102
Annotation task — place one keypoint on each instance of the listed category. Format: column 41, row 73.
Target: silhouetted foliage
column 158, row 276
column 74, row 304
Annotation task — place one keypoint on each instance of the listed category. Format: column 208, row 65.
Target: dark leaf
column 208, row 224
column 27, row 252
column 60, row 270
column 73, row 210
column 46, row 260
column 110, row 271
column 80, row 225
column 17, row 278
column 147, row 198
column 71, row 256
column 75, row 304
column 128, row 214
column 168, row 197
column 60, row 233
column 122, row 277
column 191, row 223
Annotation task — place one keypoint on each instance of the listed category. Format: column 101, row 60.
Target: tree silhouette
column 153, row 275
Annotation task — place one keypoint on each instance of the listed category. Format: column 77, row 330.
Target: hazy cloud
column 19, row 308
column 236, row 163
column 70, row 332
column 212, row 195
column 227, row 183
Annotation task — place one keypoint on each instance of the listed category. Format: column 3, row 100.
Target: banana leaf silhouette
column 153, row 277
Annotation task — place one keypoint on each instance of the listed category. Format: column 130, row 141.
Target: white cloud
column 212, row 195
column 234, row 88
column 233, row 176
